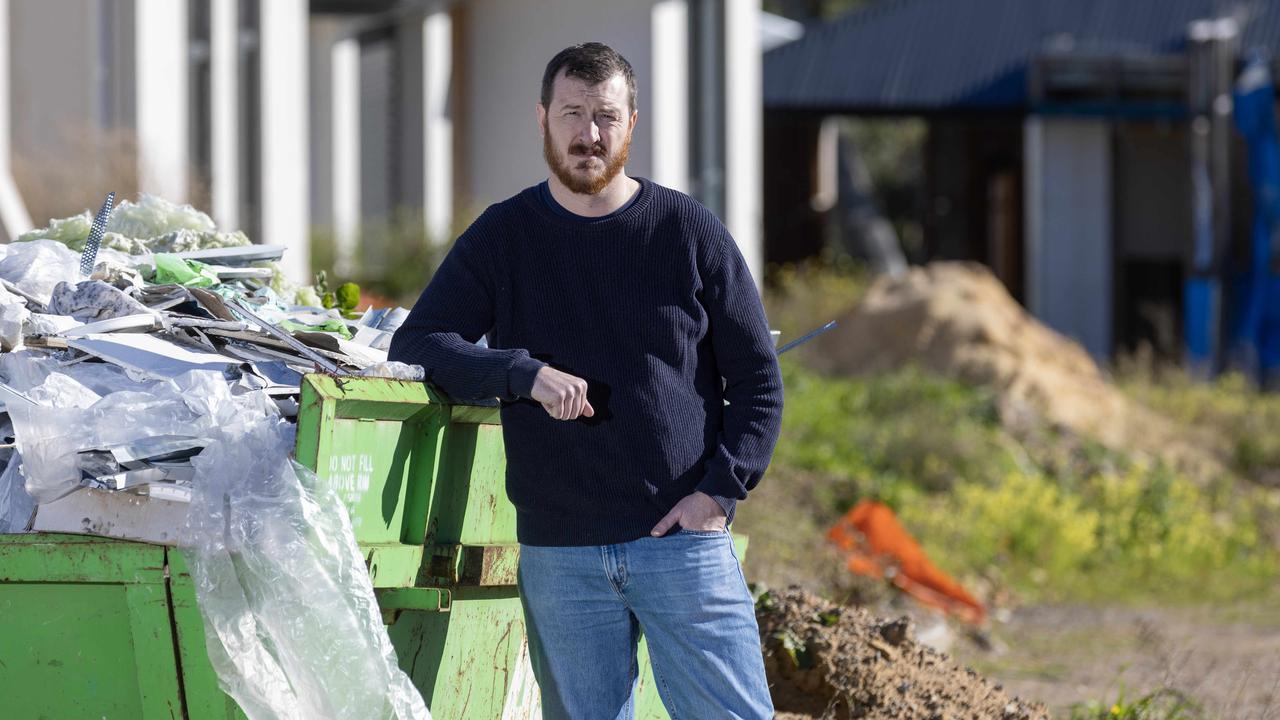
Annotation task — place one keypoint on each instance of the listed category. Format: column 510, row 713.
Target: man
column 620, row 319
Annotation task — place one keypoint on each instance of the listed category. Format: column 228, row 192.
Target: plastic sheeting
column 292, row 625
column 16, row 505
column 174, row 270
column 37, row 267
column 13, row 313
column 92, row 300
column 70, row 417
column 291, row 622
column 395, row 370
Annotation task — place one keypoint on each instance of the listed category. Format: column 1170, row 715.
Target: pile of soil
column 833, row 662
column 957, row 319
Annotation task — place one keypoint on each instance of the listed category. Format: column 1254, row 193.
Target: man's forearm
column 463, row 369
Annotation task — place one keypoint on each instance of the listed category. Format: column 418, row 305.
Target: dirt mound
column 828, row 661
column 958, row 320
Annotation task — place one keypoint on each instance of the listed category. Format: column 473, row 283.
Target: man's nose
column 591, row 132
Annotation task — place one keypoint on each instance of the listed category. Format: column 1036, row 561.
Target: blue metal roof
column 955, row 55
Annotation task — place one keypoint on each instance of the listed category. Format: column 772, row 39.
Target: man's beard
column 563, row 167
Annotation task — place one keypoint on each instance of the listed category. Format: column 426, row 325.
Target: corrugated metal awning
column 936, row 56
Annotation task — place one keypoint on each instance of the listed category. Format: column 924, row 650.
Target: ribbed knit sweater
column 652, row 306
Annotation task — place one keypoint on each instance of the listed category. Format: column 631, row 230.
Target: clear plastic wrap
column 71, row 417
column 291, row 622
column 38, row 266
column 13, row 313
column 16, row 505
column 395, row 370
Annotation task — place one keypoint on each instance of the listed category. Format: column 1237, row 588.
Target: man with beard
column 641, row 401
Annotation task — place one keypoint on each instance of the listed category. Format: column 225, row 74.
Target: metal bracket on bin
column 393, row 601
column 474, row 565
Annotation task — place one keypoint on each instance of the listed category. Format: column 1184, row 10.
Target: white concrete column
column 345, row 152
column 743, row 134
column 224, row 106
column 1067, row 171
column 437, row 125
column 282, row 37
column 14, row 218
column 669, row 106
column 161, row 107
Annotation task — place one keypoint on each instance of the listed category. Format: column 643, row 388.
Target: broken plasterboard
column 239, row 255
column 373, row 337
column 125, row 515
column 142, row 322
column 237, row 273
column 150, row 355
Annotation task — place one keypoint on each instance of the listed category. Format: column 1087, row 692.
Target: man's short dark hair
column 592, row 63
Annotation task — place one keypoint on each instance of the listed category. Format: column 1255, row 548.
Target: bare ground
column 1227, row 657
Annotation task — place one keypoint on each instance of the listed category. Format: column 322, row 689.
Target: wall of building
column 1069, row 279
column 65, row 95
column 508, row 44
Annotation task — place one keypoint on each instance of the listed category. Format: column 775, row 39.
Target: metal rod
column 89, row 256
column 806, row 338
column 284, row 337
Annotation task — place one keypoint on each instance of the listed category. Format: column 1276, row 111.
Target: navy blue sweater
column 652, row 306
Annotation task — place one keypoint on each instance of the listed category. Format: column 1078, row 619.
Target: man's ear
column 542, row 119
column 635, row 117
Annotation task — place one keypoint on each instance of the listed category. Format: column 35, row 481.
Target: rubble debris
column 34, row 269
column 234, row 255
column 171, row 269
column 290, row 341
column 150, row 355
column 92, row 300
column 91, row 366
column 835, row 662
column 145, row 409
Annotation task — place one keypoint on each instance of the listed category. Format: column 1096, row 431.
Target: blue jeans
column 585, row 608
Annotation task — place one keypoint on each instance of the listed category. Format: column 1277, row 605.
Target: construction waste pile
column 147, row 306
column 834, row 662
column 150, row 369
column 958, row 320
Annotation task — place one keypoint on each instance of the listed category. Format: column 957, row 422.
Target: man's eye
column 571, row 112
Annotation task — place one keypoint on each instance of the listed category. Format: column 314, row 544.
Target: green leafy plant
column 1162, row 704
column 795, row 648
column 345, row 297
